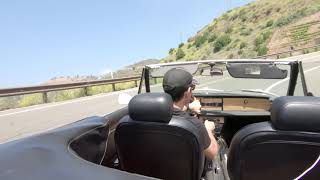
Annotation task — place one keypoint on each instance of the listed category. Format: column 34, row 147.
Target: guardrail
column 85, row 84
column 44, row 89
column 290, row 52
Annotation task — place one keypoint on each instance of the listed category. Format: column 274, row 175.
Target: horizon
column 41, row 40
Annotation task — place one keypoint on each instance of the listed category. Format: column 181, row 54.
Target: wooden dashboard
column 234, row 104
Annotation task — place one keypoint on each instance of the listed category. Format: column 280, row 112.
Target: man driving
column 180, row 84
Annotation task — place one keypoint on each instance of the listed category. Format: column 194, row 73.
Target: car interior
column 146, row 139
column 259, row 138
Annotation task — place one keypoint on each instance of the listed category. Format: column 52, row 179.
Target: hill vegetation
column 258, row 28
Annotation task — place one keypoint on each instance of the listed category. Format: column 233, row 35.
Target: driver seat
column 149, row 141
column 284, row 148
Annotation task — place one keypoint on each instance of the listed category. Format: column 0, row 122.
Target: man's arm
column 213, row 148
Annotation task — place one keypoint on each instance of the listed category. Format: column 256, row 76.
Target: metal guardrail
column 290, row 52
column 85, row 84
column 58, row 87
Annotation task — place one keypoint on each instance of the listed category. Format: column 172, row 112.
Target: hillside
column 259, row 28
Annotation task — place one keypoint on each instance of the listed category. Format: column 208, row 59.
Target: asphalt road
column 22, row 122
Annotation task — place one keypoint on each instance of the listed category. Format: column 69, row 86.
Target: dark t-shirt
column 204, row 139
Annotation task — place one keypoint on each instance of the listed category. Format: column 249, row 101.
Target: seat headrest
column 296, row 113
column 151, row 107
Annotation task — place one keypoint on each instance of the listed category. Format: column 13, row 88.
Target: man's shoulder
column 186, row 116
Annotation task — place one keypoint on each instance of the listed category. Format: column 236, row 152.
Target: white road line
column 67, row 102
column 276, row 84
column 286, row 79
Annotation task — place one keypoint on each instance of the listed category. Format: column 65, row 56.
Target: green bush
column 180, row 45
column 229, row 30
column 266, row 35
column 29, row 100
column 171, row 50
column 243, row 45
column 180, row 54
column 212, row 38
column 230, row 56
column 262, row 50
column 245, row 32
column 286, row 20
column 258, row 41
column 269, row 23
column 200, row 40
column 221, row 42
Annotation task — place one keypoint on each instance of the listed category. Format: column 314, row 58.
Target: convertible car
column 267, row 127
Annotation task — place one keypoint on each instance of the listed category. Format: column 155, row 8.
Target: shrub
column 245, row 32
column 286, row 20
column 171, row 50
column 258, row 41
column 269, row 23
column 266, row 35
column 262, row 50
column 180, row 54
column 243, row 45
column 230, row 56
column 221, row 42
column 200, row 40
column 180, row 45
column 29, row 100
column 229, row 30
column 212, row 38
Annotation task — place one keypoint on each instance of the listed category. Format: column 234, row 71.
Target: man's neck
column 178, row 105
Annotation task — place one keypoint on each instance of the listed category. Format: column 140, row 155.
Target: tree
column 221, row 42
column 180, row 54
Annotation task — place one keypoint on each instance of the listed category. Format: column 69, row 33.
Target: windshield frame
column 295, row 70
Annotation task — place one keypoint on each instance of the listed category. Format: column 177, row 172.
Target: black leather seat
column 281, row 149
column 153, row 143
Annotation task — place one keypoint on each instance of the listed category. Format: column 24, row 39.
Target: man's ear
column 185, row 94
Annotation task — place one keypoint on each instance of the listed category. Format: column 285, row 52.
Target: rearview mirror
column 256, row 71
column 212, row 71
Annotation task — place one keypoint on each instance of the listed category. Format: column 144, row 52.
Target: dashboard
column 234, row 104
column 234, row 112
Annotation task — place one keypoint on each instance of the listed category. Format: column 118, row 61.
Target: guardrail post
column 85, row 91
column 136, row 83
column 45, row 97
column 113, row 87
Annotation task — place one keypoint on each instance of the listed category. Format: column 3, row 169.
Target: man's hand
column 209, row 125
column 195, row 106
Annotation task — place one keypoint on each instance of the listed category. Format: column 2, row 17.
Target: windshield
column 270, row 79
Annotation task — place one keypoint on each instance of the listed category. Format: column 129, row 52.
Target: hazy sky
column 42, row 39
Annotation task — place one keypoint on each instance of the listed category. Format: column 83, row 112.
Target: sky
column 42, row 39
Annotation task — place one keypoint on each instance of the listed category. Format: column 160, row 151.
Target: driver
column 180, row 84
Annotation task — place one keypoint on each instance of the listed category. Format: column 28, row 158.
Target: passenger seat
column 284, row 148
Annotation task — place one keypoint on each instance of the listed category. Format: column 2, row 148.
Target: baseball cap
column 178, row 78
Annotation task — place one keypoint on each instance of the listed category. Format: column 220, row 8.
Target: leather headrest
column 296, row 113
column 151, row 107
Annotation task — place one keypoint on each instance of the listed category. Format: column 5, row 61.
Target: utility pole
column 111, row 73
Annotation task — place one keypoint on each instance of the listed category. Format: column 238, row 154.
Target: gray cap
column 177, row 78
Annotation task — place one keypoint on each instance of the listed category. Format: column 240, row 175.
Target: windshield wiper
column 259, row 91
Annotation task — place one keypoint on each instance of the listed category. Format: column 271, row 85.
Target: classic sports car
column 266, row 128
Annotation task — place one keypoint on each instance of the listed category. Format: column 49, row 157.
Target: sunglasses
column 193, row 87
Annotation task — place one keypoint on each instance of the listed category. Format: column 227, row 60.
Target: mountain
column 258, row 28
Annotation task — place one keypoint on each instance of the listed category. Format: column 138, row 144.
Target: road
column 22, row 122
